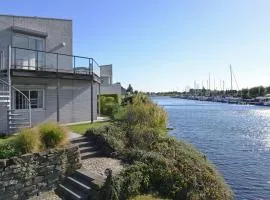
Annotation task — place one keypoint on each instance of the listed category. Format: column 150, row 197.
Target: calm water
column 234, row 137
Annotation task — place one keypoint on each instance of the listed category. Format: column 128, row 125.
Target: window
column 28, row 42
column 28, row 58
column 36, row 98
column 1, row 60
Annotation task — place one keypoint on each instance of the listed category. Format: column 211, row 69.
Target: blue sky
column 161, row 45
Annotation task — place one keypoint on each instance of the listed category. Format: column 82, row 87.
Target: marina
column 235, row 138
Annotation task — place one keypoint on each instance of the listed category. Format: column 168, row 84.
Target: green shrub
column 109, row 104
column 170, row 178
column 144, row 113
column 28, row 140
column 9, row 149
column 143, row 137
column 110, row 137
column 158, row 163
column 52, row 135
column 119, row 113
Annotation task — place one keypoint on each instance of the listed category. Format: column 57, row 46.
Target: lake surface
column 236, row 138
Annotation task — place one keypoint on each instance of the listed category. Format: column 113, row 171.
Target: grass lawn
column 6, row 138
column 82, row 128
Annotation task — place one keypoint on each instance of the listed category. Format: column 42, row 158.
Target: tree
column 257, row 91
column 129, row 89
column 245, row 93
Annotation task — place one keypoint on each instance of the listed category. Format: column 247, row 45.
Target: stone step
column 79, row 139
column 96, row 181
column 80, row 185
column 87, row 149
column 82, row 141
column 90, row 154
column 83, row 144
column 69, row 193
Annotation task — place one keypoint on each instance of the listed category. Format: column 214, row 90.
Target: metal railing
column 13, row 121
column 36, row 60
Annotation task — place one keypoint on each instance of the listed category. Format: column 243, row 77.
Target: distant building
column 107, row 85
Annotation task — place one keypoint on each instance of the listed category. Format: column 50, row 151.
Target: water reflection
column 236, row 138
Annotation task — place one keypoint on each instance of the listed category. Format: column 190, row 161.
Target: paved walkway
column 73, row 135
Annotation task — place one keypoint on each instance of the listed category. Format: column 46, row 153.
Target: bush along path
column 158, row 164
column 87, row 182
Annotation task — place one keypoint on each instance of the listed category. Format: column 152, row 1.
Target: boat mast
column 231, row 77
column 209, row 83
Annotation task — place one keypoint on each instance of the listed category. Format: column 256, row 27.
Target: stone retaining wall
column 28, row 175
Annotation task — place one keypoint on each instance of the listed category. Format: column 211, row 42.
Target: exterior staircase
column 13, row 121
column 88, row 149
column 82, row 184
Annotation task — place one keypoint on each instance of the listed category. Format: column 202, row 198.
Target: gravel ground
column 98, row 165
column 46, row 196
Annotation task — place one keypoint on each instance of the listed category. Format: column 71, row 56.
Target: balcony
column 47, row 63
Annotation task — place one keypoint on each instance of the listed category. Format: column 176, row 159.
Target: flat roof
column 35, row 17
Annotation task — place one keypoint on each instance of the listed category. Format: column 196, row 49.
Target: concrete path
column 73, row 135
column 99, row 119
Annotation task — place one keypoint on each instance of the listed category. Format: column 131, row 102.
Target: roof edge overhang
column 27, row 31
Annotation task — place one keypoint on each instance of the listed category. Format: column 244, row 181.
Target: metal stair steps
column 4, row 96
column 15, row 120
column 18, row 127
column 19, row 119
column 14, row 114
column 18, row 123
column 4, row 101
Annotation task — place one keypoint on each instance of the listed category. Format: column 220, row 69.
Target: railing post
column 57, row 92
column 57, row 63
column 74, row 64
column 15, row 54
column 8, row 129
column 30, row 114
column 92, row 92
column 37, row 60
column 99, row 99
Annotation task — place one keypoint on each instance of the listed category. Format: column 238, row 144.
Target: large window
column 1, row 60
column 28, row 58
column 36, row 97
column 28, row 42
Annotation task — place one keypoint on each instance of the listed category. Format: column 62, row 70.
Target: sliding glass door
column 26, row 55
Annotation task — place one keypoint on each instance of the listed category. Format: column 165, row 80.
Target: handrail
column 92, row 67
column 28, row 100
column 62, row 54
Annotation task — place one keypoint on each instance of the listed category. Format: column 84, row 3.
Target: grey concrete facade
column 74, row 93
column 107, row 85
column 106, row 74
column 74, row 98
column 55, row 32
column 112, row 89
